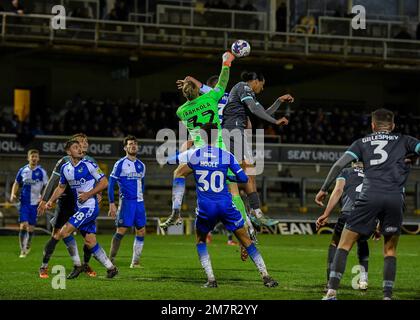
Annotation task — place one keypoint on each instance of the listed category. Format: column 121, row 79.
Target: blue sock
column 178, row 190
column 205, row 260
column 257, row 259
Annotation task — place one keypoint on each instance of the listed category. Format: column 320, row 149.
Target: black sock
column 254, row 200
column 22, row 236
column 390, row 269
column 87, row 254
column 230, row 236
column 49, row 250
column 331, row 253
column 30, row 235
column 363, row 254
column 337, row 268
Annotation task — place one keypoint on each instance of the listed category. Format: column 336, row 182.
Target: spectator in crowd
column 341, row 126
column 289, row 188
column 121, row 10
column 17, row 7
column 236, row 5
column 403, row 34
column 418, row 32
column 281, row 18
column 249, row 6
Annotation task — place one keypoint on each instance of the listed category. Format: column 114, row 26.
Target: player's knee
column 121, row 230
column 141, row 231
column 90, row 241
column 24, row 226
column 390, row 251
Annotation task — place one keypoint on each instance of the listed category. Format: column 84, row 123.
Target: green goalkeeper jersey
column 204, row 109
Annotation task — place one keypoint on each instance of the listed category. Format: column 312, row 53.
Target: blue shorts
column 131, row 213
column 209, row 213
column 85, row 219
column 27, row 213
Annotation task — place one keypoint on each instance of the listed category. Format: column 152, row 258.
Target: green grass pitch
column 171, row 270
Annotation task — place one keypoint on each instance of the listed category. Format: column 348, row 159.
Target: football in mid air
column 241, row 48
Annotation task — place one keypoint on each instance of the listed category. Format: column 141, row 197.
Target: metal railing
column 218, row 18
column 374, row 28
column 34, row 30
column 141, row 17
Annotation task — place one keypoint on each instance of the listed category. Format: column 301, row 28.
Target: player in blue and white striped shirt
column 31, row 178
column 129, row 173
column 86, row 180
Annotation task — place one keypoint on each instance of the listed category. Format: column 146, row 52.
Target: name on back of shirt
column 209, row 164
column 380, row 137
column 192, row 111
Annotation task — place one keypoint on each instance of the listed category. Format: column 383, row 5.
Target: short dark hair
column 210, row 129
column 78, row 135
column 383, row 117
column 129, row 138
column 212, row 81
column 32, row 151
column 69, row 143
column 249, row 76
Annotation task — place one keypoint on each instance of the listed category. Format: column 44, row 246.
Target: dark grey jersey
column 354, row 180
column 235, row 113
column 383, row 155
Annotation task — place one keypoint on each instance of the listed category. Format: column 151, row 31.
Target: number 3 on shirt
column 205, row 185
column 379, row 150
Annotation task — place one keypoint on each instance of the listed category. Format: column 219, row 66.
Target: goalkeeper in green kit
column 197, row 111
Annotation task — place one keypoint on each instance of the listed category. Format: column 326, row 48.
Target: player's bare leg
column 178, row 190
column 390, row 264
column 204, row 257
column 138, row 247
column 246, row 242
column 347, row 240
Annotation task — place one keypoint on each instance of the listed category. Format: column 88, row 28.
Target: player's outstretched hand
column 282, row 122
column 322, row 221
column 227, row 58
column 42, row 206
column 112, row 212
column 287, row 98
column 320, row 197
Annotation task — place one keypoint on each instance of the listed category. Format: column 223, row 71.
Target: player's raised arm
column 339, row 165
column 258, row 110
column 220, row 88
column 332, row 202
column 276, row 105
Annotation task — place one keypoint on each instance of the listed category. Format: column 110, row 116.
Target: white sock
column 205, row 260
column 137, row 249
